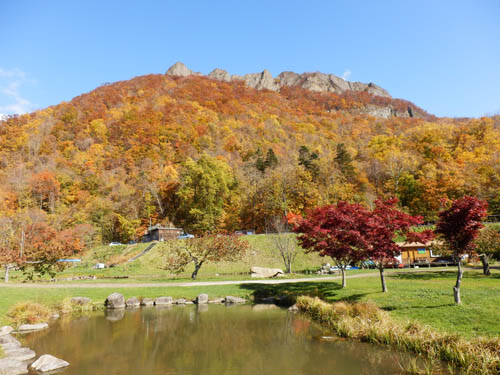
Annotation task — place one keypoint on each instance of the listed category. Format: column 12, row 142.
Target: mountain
column 219, row 152
column 316, row 82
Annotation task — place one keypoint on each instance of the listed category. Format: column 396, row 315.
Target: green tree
column 209, row 248
column 344, row 161
column 271, row 161
column 308, row 160
column 204, row 193
column 488, row 247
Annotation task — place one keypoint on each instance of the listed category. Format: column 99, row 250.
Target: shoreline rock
column 132, row 302
column 6, row 330
column 161, row 301
column 32, row 327
column 47, row 363
column 147, row 302
column 202, row 299
column 9, row 366
column 115, row 301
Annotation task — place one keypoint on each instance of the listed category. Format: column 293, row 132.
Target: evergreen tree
column 344, row 161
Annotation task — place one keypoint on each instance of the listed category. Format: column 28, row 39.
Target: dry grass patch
column 28, row 313
column 364, row 321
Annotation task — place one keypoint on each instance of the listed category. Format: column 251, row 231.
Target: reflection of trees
column 218, row 341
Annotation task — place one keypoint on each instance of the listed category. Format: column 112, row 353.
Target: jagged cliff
column 316, row 82
column 319, row 82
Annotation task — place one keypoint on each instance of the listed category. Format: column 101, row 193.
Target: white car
column 114, row 244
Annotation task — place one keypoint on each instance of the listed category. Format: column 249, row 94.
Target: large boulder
column 10, row 366
column 180, row 301
column 132, row 302
column 32, row 327
column 6, row 330
column 47, row 363
column 115, row 301
column 161, row 301
column 266, row 272
column 20, row 354
column 232, row 300
column 202, row 299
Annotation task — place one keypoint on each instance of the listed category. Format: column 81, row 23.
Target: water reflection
column 207, row 340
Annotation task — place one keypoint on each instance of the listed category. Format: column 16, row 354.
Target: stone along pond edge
column 19, row 360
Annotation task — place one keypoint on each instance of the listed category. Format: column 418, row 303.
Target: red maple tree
column 458, row 226
column 386, row 222
column 337, row 231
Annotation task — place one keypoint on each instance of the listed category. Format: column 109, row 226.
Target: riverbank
column 425, row 297
column 364, row 321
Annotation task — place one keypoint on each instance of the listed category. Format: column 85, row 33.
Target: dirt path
column 212, row 283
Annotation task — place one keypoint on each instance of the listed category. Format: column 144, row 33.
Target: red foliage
column 459, row 225
column 337, row 231
column 386, row 221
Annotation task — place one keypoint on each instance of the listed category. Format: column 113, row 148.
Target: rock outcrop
column 181, row 70
column 317, row 81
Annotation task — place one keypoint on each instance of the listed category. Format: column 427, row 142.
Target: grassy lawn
column 150, row 266
column 425, row 297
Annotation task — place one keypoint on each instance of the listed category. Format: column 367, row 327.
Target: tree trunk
column 344, row 281
column 197, row 267
column 486, row 264
column 7, row 269
column 456, row 288
column 382, row 278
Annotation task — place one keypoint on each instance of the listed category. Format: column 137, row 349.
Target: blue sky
column 442, row 55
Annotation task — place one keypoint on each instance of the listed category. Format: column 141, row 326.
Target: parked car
column 185, row 235
column 114, row 244
column 367, row 264
column 132, row 242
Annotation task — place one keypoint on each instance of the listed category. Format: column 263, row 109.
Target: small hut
column 160, row 233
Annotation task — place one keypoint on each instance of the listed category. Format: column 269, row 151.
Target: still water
column 207, row 340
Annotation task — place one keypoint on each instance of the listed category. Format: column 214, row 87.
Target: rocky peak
column 181, row 70
column 220, row 75
column 317, row 81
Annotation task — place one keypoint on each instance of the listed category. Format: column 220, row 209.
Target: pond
column 207, row 339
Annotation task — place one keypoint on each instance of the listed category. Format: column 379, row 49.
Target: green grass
column 424, row 297
column 150, row 267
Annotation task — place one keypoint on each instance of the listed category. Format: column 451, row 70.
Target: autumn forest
column 206, row 155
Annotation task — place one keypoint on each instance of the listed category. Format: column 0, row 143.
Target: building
column 418, row 253
column 159, row 233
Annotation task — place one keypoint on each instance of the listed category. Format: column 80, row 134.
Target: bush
column 29, row 313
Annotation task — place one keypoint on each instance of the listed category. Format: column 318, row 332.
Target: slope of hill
column 207, row 154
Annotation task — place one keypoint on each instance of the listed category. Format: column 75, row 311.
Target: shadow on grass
column 444, row 275
column 325, row 290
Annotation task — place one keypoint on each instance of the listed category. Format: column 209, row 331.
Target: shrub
column 29, row 313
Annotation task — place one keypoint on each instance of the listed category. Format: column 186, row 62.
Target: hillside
column 205, row 153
